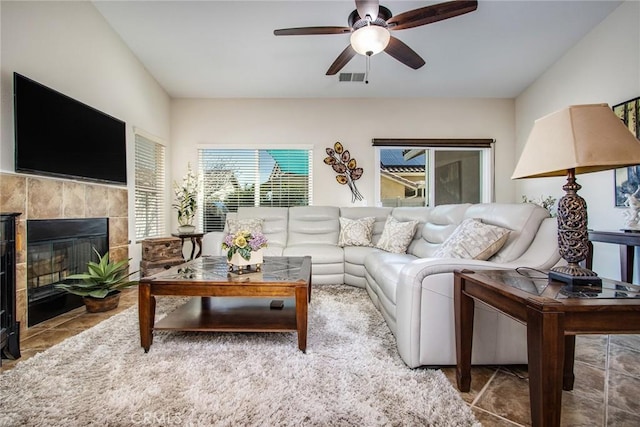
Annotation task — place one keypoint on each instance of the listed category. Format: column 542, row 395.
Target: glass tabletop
column 216, row 269
column 536, row 282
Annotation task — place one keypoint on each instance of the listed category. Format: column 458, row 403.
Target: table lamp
column 578, row 139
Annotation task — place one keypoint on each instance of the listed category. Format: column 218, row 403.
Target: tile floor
column 606, row 392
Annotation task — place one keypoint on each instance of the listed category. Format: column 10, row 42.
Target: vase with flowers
column 244, row 249
column 186, row 201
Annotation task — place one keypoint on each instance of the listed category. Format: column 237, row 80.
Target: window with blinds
column 150, row 183
column 431, row 172
column 252, row 177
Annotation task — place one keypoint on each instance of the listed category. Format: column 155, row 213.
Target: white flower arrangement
column 186, row 201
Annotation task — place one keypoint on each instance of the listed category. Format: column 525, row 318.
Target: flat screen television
column 56, row 135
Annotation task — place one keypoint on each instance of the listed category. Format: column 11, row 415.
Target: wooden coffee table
column 554, row 314
column 225, row 301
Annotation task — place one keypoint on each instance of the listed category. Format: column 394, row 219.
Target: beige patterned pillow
column 473, row 239
column 356, row 232
column 397, row 235
column 252, row 225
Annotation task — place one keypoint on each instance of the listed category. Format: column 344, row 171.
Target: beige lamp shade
column 587, row 138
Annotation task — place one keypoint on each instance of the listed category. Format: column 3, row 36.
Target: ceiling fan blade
column 430, row 14
column 341, row 60
column 368, row 7
column 307, row 31
column 404, row 53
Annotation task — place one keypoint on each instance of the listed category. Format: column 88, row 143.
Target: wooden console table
column 554, row 314
column 196, row 240
column 627, row 241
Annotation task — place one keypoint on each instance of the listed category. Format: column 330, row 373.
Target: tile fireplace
column 42, row 198
column 56, row 249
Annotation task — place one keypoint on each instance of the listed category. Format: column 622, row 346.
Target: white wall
column 354, row 122
column 69, row 47
column 603, row 67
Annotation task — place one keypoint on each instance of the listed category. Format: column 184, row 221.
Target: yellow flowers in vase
column 244, row 248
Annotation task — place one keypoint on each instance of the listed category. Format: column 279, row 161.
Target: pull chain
column 366, row 74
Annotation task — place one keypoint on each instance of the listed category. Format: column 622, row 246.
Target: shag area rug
column 351, row 375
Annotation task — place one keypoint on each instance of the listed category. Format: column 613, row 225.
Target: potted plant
column 186, row 201
column 100, row 285
column 244, row 248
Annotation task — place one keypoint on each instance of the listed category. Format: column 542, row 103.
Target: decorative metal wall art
column 345, row 167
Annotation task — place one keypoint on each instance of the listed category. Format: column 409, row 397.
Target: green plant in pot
column 100, row 285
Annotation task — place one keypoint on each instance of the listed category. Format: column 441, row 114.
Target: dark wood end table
column 554, row 313
column 225, row 301
column 196, row 241
column 627, row 240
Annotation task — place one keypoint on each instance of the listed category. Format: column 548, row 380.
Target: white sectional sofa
column 414, row 290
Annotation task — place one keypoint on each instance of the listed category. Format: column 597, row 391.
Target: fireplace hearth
column 57, row 248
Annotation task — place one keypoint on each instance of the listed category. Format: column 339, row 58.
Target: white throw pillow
column 473, row 239
column 252, row 225
column 356, row 232
column 396, row 235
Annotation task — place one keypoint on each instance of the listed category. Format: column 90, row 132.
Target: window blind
column 252, row 177
column 149, row 189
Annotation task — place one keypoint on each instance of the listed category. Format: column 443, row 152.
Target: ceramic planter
column 239, row 264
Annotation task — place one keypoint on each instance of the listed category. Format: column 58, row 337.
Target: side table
column 554, row 313
column 196, row 241
column 627, row 240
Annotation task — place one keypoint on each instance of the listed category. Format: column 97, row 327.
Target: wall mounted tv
column 56, row 135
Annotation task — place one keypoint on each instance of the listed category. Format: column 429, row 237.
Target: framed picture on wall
column 627, row 180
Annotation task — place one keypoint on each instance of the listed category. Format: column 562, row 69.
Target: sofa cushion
column 384, row 269
column 356, row 232
column 473, row 239
column 523, row 219
column 378, row 212
column 310, row 225
column 441, row 222
column 396, row 235
column 274, row 226
column 320, row 253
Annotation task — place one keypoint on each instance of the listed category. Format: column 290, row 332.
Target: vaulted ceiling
column 226, row 49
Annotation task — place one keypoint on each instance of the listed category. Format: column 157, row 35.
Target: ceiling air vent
column 351, row 77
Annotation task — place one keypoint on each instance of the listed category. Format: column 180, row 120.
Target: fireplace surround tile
column 96, row 201
column 118, row 202
column 12, row 193
column 119, row 254
column 73, row 196
column 44, row 198
column 21, row 276
column 21, row 240
column 118, row 235
column 21, row 308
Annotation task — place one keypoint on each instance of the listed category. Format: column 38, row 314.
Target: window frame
column 257, row 148
column 431, row 145
column 160, row 188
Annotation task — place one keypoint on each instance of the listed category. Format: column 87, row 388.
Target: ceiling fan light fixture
column 370, row 39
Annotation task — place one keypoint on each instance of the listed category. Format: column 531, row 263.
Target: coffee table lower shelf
column 230, row 314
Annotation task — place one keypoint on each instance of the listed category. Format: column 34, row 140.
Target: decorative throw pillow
column 356, row 232
column 252, row 225
column 396, row 235
column 473, row 239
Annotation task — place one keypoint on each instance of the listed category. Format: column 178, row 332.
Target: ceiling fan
column 370, row 25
